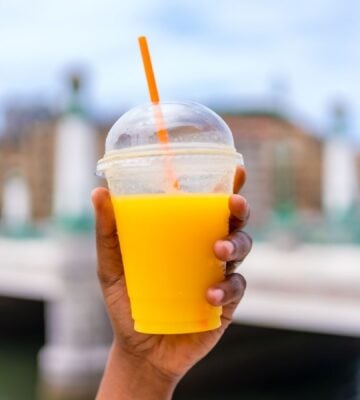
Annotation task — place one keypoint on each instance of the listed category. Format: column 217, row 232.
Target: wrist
column 129, row 377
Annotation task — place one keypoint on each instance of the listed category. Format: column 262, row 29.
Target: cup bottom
column 174, row 316
column 166, row 328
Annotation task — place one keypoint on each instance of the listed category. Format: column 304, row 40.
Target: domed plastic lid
column 191, row 128
column 185, row 122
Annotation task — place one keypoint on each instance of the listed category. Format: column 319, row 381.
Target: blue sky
column 209, row 51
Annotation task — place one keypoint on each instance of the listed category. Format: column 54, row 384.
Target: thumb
column 110, row 266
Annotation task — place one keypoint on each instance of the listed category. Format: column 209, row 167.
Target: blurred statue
column 75, row 159
column 16, row 205
column 339, row 168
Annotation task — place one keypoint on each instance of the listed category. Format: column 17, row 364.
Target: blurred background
column 285, row 77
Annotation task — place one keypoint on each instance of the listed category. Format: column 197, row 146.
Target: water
column 268, row 364
column 248, row 364
column 331, row 382
column 21, row 337
column 18, row 368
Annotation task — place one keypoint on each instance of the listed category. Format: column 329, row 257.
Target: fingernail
column 247, row 209
column 217, row 295
column 229, row 247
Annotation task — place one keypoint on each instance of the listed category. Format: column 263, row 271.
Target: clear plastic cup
column 171, row 205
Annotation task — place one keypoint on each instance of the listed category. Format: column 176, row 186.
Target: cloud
column 202, row 49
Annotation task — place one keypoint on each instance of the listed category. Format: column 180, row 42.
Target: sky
column 216, row 52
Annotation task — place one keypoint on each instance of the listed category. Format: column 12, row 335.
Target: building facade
column 283, row 163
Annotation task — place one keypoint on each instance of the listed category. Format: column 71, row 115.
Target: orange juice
column 167, row 246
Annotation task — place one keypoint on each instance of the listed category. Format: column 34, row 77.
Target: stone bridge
column 311, row 287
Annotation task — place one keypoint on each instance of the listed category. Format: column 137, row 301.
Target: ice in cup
column 171, row 205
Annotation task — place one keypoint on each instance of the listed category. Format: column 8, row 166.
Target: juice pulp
column 167, row 247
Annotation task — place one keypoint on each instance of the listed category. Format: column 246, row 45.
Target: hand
column 141, row 365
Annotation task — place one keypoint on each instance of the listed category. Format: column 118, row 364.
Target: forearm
column 126, row 378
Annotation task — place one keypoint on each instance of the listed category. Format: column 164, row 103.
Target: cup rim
column 166, row 150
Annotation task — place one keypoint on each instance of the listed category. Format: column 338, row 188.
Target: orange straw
column 153, row 91
column 162, row 133
column 149, row 72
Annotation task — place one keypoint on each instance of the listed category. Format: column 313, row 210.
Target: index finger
column 240, row 211
column 240, row 177
column 110, row 267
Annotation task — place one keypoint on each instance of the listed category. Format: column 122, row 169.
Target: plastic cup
column 166, row 231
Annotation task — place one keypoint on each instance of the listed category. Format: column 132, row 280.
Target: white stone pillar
column 16, row 204
column 339, row 177
column 78, row 334
column 75, row 160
